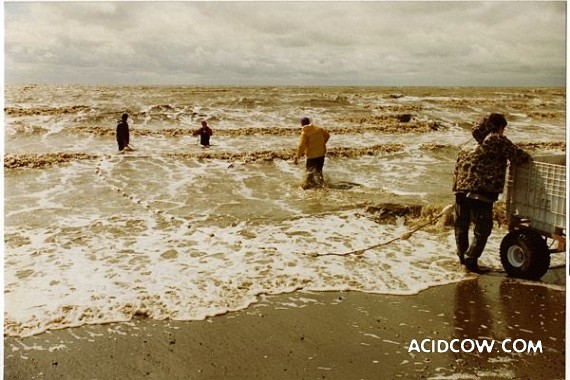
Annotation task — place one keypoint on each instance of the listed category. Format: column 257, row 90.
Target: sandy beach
column 329, row 335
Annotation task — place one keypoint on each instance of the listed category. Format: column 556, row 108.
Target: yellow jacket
column 312, row 142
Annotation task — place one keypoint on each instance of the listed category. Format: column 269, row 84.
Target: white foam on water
column 183, row 274
column 178, row 273
column 147, row 234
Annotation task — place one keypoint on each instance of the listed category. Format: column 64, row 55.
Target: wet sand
column 309, row 335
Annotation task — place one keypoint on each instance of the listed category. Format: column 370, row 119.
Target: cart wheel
column 524, row 254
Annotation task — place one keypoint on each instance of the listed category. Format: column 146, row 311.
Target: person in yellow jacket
column 313, row 144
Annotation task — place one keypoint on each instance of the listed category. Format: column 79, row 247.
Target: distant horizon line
column 277, row 85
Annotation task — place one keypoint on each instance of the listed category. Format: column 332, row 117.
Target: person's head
column 204, row 123
column 498, row 122
column 125, row 116
column 305, row 121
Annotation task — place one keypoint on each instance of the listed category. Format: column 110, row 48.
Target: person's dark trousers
column 205, row 139
column 479, row 213
column 314, row 168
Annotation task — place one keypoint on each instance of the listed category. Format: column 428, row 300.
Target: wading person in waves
column 479, row 178
column 204, row 132
column 123, row 133
column 313, row 144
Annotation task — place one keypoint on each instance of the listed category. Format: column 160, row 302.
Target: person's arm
column 326, row 135
column 301, row 147
column 515, row 154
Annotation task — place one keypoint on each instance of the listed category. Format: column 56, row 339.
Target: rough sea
column 173, row 230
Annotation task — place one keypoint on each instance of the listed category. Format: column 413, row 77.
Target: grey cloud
column 284, row 42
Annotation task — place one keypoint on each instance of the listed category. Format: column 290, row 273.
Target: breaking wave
column 36, row 160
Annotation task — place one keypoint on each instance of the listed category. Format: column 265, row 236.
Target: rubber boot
column 461, row 256
column 473, row 267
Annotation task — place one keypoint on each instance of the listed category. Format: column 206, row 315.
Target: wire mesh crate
column 536, row 192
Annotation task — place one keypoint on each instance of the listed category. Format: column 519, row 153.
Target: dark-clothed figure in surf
column 205, row 132
column 123, row 133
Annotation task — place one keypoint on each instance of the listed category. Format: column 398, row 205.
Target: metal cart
column 536, row 209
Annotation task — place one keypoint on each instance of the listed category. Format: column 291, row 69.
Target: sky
column 372, row 43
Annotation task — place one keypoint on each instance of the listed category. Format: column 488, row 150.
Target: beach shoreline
column 316, row 335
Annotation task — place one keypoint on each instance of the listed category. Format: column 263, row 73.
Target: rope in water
column 405, row 236
column 132, row 198
column 140, row 202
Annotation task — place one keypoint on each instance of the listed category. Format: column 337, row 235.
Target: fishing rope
column 172, row 218
column 121, row 191
column 138, row 201
column 161, row 213
column 405, row 236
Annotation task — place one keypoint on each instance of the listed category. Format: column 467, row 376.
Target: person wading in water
column 313, row 144
column 205, row 132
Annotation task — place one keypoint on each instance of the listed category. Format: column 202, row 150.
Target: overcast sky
column 286, row 43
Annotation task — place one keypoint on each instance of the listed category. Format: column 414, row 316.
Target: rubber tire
column 524, row 254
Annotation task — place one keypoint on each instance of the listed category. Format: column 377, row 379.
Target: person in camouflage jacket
column 479, row 178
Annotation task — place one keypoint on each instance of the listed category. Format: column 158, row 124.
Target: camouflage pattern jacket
column 482, row 168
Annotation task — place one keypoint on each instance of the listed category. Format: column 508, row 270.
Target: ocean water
column 172, row 230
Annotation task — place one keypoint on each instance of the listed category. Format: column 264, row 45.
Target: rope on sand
column 405, row 236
